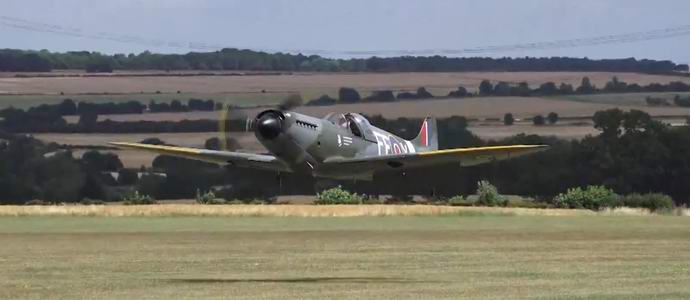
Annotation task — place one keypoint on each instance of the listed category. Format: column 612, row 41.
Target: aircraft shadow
column 301, row 280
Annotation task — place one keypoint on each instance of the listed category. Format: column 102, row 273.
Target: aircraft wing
column 239, row 159
column 463, row 156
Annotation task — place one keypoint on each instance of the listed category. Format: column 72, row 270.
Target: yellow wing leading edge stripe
column 482, row 149
column 169, row 149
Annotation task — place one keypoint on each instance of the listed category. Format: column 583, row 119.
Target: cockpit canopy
column 357, row 124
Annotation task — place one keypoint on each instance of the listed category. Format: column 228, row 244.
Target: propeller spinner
column 269, row 124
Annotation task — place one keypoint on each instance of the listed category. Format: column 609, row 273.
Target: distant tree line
column 236, row 59
column 632, row 154
column 19, row 121
column 69, row 107
column 348, row 95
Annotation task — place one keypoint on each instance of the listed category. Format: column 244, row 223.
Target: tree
column 486, row 88
column 586, row 87
column 348, row 95
column 508, row 119
column 636, row 121
column 502, row 89
column 322, row 101
column 100, row 66
column 609, row 122
column 552, row 117
column 548, row 89
column 88, row 119
column 615, row 86
column 60, row 178
column 150, row 184
column 231, row 144
column 100, row 162
column 521, row 90
column 381, row 96
column 565, row 89
column 67, row 108
column 422, row 93
column 127, row 177
column 460, row 92
column 176, row 106
column 153, row 141
column 538, row 120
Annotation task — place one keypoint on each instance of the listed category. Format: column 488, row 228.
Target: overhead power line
column 665, row 33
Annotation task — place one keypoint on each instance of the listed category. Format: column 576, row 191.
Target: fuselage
column 305, row 143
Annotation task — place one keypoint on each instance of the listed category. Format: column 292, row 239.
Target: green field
column 238, row 99
column 624, row 99
column 481, row 256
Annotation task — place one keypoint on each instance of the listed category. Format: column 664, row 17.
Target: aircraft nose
column 270, row 126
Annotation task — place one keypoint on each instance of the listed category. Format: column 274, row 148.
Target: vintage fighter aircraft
column 339, row 146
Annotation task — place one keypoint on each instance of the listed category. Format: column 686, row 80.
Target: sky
column 337, row 27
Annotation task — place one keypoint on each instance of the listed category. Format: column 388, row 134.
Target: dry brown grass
column 497, row 132
column 484, row 107
column 295, row 211
column 305, row 82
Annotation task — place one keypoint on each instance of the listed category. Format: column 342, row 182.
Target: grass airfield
column 464, row 254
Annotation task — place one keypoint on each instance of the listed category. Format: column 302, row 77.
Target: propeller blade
column 222, row 127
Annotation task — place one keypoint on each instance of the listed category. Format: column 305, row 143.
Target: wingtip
column 541, row 147
column 119, row 144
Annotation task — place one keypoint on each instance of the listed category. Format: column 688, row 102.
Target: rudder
column 427, row 139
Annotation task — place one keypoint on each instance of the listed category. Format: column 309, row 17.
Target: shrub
column 337, row 195
column 38, row 202
column 399, row 199
column 539, row 120
column 593, row 197
column 681, row 101
column 127, row 177
column 651, row 101
column 87, row 201
column 488, row 195
column 552, row 117
column 422, row 93
column 460, row 200
column 526, row 203
column 651, row 201
column 406, row 96
column 152, row 141
column 322, row 101
column 381, row 96
column 138, row 199
column 508, row 119
column 460, row 92
column 348, row 95
column 207, row 198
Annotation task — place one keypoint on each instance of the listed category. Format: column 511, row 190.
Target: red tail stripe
column 424, row 135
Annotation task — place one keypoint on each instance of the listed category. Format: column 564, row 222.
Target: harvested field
column 305, row 82
column 270, row 89
column 440, row 257
column 239, row 99
column 497, row 132
column 481, row 107
column 630, row 99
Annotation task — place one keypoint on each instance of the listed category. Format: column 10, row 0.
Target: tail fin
column 427, row 139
